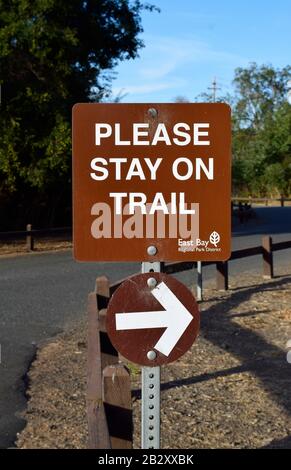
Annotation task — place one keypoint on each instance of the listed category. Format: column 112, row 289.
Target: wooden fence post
column 222, row 275
column 268, row 265
column 109, row 355
column 98, row 434
column 100, row 354
column 118, row 406
column 29, row 238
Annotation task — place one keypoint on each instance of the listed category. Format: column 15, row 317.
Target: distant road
column 41, row 294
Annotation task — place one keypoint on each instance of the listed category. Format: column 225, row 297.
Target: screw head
column 152, row 112
column 151, row 282
column 152, row 250
column 151, row 355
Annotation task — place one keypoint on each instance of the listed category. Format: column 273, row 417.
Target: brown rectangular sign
column 151, row 182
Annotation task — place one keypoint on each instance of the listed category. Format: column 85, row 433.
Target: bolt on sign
column 151, row 174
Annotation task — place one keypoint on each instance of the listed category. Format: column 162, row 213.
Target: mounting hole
column 151, row 376
column 151, row 428
column 151, row 397
column 151, row 417
column 151, row 386
column 151, row 438
column 151, row 407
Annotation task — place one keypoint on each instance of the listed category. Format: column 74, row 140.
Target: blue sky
column 190, row 42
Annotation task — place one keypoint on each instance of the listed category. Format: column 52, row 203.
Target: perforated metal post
column 199, row 280
column 150, row 399
column 150, row 408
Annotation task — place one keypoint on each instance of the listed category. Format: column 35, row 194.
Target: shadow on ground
column 264, row 360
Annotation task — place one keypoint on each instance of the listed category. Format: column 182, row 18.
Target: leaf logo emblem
column 214, row 238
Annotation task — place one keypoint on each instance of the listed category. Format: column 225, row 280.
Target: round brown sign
column 152, row 319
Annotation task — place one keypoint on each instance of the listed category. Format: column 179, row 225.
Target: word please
column 140, row 132
column 143, row 168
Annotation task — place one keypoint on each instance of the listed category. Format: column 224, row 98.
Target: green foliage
column 262, row 131
column 52, row 55
column 260, row 92
column 55, row 54
column 275, row 177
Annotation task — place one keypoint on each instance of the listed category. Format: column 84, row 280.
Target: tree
column 261, row 130
column 260, row 91
column 277, row 149
column 52, row 55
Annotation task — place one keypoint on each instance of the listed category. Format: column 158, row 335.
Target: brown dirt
column 19, row 247
column 232, row 389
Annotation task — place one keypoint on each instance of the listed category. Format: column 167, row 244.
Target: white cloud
column 167, row 53
column 147, row 88
column 170, row 62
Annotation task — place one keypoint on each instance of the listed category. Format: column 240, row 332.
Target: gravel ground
column 231, row 390
column 40, row 245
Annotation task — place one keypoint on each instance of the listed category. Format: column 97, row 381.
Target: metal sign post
column 151, row 386
column 150, row 408
column 199, row 281
column 152, row 319
column 174, row 162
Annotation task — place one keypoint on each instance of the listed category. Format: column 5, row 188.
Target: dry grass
column 40, row 245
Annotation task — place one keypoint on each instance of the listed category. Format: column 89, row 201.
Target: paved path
column 41, row 294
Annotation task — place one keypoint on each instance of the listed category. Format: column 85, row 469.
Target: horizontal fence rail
column 246, row 252
column 39, row 232
column 261, row 200
column 281, row 245
column 266, row 249
column 31, row 234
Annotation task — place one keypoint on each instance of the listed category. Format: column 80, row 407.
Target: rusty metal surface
column 212, row 197
column 134, row 295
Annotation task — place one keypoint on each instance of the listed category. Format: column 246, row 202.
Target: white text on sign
column 143, row 168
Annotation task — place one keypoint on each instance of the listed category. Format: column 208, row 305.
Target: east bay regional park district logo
column 199, row 245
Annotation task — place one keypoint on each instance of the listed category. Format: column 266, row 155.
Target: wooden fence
column 266, row 249
column 261, row 200
column 30, row 235
column 109, row 408
column 109, row 403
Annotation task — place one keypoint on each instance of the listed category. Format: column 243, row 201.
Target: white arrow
column 176, row 318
